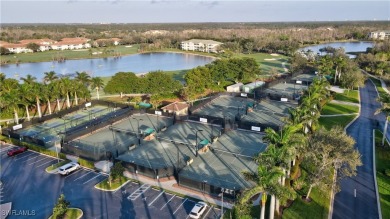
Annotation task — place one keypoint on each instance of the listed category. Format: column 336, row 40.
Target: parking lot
column 31, row 189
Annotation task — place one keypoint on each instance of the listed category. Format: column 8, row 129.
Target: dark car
column 16, row 151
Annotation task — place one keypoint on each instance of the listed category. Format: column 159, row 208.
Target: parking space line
column 167, row 202
column 5, row 149
column 24, row 156
column 38, row 160
column 31, row 158
column 180, row 205
column 92, row 178
column 156, row 198
column 72, row 173
column 207, row 211
column 82, row 176
column 46, row 163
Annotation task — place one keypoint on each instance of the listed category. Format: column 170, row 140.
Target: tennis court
column 144, row 121
column 223, row 166
column 304, row 78
column 185, row 132
column 269, row 112
column 119, row 137
column 286, row 89
column 225, row 107
column 158, row 154
column 48, row 131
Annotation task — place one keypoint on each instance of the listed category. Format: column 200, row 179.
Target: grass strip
column 382, row 162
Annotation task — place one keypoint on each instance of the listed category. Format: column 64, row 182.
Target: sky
column 181, row 11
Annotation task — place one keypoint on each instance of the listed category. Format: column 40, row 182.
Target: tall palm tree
column 97, row 84
column 65, row 87
column 50, row 77
column 266, row 180
column 83, row 78
column 56, row 91
column 12, row 100
column 385, row 109
column 47, row 94
column 36, row 89
column 29, row 79
column 26, row 97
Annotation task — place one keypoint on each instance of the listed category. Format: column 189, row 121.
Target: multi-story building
column 200, row 45
column 71, row 43
column 380, row 35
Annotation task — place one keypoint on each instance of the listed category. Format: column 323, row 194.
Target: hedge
column 33, row 147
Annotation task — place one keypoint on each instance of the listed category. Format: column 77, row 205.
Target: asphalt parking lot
column 31, row 190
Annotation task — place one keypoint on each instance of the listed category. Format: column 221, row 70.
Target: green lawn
column 178, row 74
column 335, row 108
column 69, row 54
column 267, row 65
column 329, row 122
column 114, row 185
column 318, row 208
column 382, row 163
column 71, row 213
column 378, row 85
column 348, row 96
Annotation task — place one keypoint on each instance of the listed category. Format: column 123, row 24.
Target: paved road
column 364, row 205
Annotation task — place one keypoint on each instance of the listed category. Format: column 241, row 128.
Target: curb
column 330, row 212
column 112, row 190
column 374, row 169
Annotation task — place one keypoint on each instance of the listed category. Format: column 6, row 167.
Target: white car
column 68, row 168
column 198, row 210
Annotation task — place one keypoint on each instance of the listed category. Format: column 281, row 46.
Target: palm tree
column 83, row 78
column 340, row 63
column 47, row 94
column 385, row 109
column 97, row 84
column 64, row 87
column 11, row 100
column 25, row 94
column 56, row 91
column 36, row 89
column 266, row 180
column 50, row 77
column 29, row 79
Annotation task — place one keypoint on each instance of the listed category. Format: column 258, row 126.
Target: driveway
column 357, row 198
column 34, row 192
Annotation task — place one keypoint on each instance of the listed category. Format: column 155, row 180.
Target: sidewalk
column 173, row 186
column 343, row 102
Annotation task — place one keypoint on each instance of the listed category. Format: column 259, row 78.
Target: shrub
column 86, row 163
column 298, row 184
column 61, row 207
column 387, row 172
column 33, row 147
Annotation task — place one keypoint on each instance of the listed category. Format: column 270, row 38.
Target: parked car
column 16, row 151
column 198, row 210
column 68, row 168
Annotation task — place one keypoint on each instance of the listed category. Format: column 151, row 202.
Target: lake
column 138, row 63
column 360, row 46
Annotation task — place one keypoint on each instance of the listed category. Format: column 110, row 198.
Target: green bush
column 387, row 172
column 33, row 147
column 86, row 163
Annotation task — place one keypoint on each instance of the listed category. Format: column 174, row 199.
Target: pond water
column 360, row 46
column 138, row 63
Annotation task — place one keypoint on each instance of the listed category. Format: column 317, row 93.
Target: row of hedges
column 33, row 147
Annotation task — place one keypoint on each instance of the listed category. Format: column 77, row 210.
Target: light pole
column 222, row 191
column 196, row 139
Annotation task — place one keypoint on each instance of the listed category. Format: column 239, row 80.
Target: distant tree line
column 237, row 37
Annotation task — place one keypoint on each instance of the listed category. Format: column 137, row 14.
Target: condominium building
column 380, row 35
column 200, row 45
